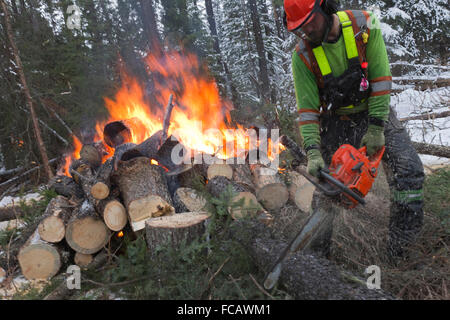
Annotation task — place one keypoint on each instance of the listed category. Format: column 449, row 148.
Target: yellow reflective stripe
column 349, row 35
column 322, row 60
column 348, row 107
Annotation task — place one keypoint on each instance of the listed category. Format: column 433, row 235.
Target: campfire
column 139, row 171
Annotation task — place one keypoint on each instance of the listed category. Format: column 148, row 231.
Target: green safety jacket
column 361, row 36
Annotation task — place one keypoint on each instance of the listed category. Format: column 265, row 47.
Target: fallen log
column 432, row 149
column 271, row 191
column 52, row 228
column 183, row 227
column 303, row 275
column 188, row 200
column 12, row 180
column 11, row 212
column 85, row 232
column 144, row 189
column 427, row 116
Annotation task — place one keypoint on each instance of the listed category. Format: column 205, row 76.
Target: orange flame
column 200, row 118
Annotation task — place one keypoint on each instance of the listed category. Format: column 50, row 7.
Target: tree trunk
column 148, row 17
column 23, row 81
column 262, row 61
column 303, row 276
column 213, row 29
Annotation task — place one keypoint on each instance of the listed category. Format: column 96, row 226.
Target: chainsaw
column 348, row 180
column 350, row 175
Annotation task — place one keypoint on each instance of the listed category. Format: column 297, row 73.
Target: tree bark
column 27, row 93
column 175, row 229
column 303, row 276
column 213, row 29
column 144, row 189
column 432, row 149
column 262, row 61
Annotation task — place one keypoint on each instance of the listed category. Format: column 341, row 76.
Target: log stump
column 175, row 229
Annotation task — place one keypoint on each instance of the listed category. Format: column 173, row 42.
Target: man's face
column 315, row 28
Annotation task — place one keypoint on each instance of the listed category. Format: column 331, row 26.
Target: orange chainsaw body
column 355, row 170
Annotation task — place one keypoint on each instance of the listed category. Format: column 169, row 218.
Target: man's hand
column 315, row 162
column 373, row 139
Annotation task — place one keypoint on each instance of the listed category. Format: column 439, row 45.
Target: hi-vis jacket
column 368, row 44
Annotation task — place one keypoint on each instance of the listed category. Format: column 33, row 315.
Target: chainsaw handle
column 375, row 159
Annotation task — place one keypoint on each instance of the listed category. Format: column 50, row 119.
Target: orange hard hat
column 298, row 11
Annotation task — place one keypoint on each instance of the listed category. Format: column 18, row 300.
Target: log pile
column 140, row 190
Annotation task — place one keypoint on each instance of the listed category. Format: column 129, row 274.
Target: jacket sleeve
column 380, row 77
column 308, row 102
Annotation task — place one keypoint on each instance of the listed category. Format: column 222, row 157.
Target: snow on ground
column 10, row 201
column 412, row 102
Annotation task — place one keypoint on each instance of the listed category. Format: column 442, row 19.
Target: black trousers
column 401, row 164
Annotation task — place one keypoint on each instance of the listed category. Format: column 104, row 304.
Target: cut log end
column 87, row 235
column 100, row 191
column 52, row 229
column 149, row 206
column 250, row 206
column 39, row 261
column 215, row 170
column 273, row 196
column 83, row 260
column 115, row 215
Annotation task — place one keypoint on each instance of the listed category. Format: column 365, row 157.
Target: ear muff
column 330, row 6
